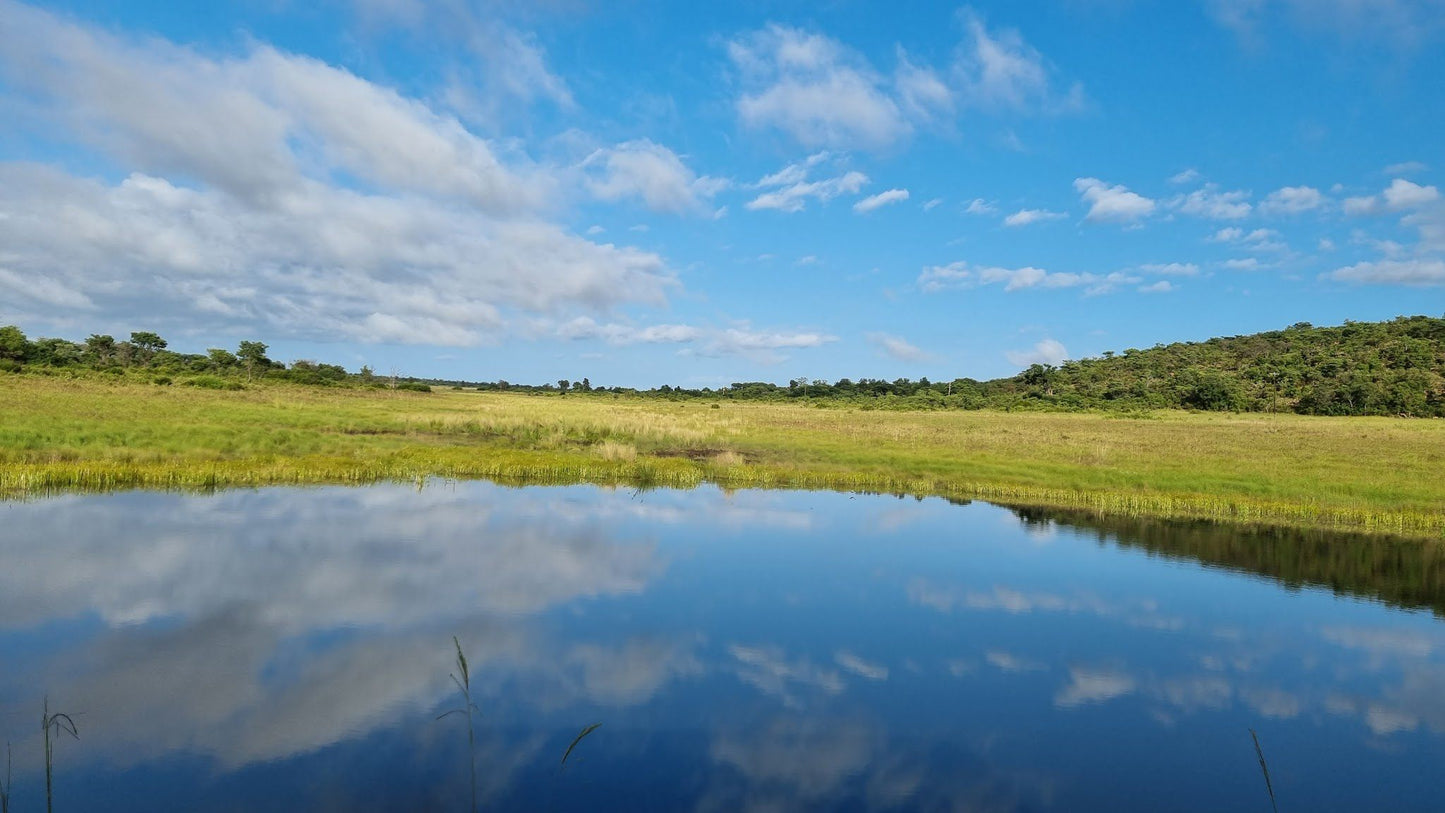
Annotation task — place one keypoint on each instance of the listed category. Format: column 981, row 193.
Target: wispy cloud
column 879, row 200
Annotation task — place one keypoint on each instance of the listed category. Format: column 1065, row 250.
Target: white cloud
column 879, row 200
column 1171, row 269
column 959, row 275
column 504, row 71
column 1001, row 71
column 1112, row 204
column 1256, row 240
column 930, row 205
column 1406, row 168
column 860, row 667
column 979, row 206
column 897, row 348
column 1400, row 23
column 790, row 188
column 822, row 93
column 1245, row 264
column 1046, row 351
column 1089, row 686
column 1291, row 200
column 584, row 327
column 1162, row 286
column 1414, row 272
column 1403, row 194
column 1210, row 203
column 652, row 173
column 1398, row 196
column 1024, row 217
column 921, row 92
column 816, row 90
column 1184, row 177
column 234, row 218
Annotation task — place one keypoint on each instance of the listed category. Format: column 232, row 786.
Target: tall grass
column 1264, row 768
column 53, row 725
column 1370, row 474
column 464, row 686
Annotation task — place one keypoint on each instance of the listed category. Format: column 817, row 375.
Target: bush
column 210, row 382
column 413, row 386
column 163, row 380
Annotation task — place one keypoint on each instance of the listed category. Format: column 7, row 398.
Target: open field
column 1373, row 474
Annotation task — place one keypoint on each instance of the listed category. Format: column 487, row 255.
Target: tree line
column 1358, row 368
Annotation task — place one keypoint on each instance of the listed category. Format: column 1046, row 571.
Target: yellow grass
column 1375, row 474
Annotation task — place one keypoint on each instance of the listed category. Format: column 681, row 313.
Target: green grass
column 1372, row 474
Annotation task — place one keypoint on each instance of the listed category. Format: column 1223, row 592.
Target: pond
column 293, row 649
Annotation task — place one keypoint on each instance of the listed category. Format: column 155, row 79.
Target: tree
column 221, row 358
column 563, row 385
column 253, row 355
column 147, row 341
column 100, row 347
column 13, row 344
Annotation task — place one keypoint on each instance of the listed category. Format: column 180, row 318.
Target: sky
column 646, row 193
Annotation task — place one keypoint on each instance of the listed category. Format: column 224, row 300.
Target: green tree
column 100, row 348
column 13, row 344
column 221, row 358
column 253, row 355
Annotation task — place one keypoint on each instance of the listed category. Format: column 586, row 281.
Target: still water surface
column 291, row 649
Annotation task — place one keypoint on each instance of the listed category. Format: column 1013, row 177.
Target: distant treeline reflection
column 1401, row 573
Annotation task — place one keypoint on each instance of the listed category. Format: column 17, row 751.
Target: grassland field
column 1384, row 475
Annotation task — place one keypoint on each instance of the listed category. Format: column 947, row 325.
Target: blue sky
column 651, row 192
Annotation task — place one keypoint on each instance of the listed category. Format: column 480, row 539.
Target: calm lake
column 292, row 649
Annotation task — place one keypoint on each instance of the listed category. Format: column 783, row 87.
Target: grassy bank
column 1375, row 474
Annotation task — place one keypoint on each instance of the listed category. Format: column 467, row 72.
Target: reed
column 53, row 725
column 1264, row 768
column 5, row 787
column 464, row 686
column 1376, row 475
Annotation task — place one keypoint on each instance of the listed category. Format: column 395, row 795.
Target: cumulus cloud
column 823, row 93
column 651, row 173
column 1211, row 203
column 1184, row 176
column 1046, row 351
column 1414, row 272
column 275, row 191
column 1292, row 200
column 1162, row 286
column 1400, row 195
column 879, row 200
column 1112, row 204
column 789, row 189
column 814, row 89
column 960, row 275
column 897, row 348
column 1171, row 269
column 1024, row 217
column 760, row 345
column 584, row 327
column 1088, row 686
column 1255, row 240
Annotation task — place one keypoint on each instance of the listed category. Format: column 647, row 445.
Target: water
column 291, row 649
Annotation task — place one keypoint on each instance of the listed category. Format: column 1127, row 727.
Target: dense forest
column 1358, row 368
